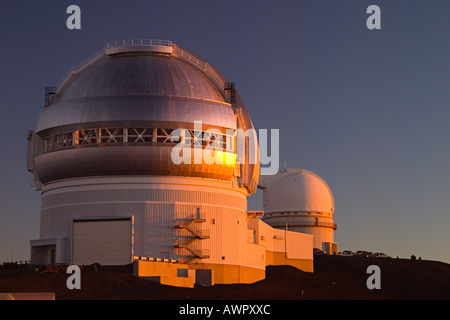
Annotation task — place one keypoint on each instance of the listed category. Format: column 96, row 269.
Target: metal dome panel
column 139, row 73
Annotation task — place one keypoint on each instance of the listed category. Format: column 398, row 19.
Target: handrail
column 202, row 234
column 202, row 64
column 312, row 224
column 187, row 244
column 79, row 66
column 139, row 42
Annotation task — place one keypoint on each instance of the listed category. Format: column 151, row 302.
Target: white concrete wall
column 156, row 203
column 296, row 245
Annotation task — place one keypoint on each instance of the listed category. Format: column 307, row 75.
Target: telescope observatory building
column 299, row 200
column 102, row 156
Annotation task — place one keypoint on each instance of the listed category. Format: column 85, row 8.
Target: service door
column 106, row 241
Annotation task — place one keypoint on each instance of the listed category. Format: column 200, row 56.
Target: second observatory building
column 301, row 201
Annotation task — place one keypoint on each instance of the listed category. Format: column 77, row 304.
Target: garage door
column 107, row 242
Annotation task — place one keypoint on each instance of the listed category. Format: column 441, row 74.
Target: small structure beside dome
column 299, row 200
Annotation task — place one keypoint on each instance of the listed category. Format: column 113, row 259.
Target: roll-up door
column 105, row 241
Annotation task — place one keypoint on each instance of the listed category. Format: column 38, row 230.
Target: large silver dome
column 114, row 114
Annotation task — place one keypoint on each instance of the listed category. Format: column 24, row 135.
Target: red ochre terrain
column 334, row 278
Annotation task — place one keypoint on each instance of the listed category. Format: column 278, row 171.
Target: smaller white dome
column 296, row 190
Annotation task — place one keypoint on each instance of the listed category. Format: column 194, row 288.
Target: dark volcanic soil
column 335, row 277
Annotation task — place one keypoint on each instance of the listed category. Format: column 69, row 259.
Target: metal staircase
column 193, row 226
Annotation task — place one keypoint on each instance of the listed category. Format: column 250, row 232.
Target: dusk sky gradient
column 367, row 110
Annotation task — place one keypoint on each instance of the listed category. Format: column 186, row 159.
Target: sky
column 367, row 110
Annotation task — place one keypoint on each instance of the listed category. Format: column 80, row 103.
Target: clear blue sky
column 367, row 110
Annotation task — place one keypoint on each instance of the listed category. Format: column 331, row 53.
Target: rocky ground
column 334, row 278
